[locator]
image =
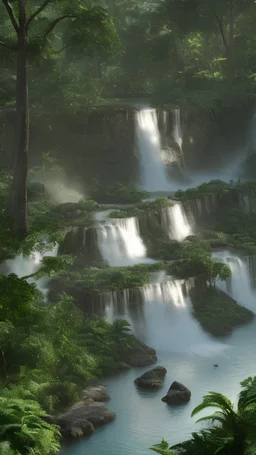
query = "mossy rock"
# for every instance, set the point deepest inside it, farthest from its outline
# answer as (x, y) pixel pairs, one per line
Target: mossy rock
(218, 313)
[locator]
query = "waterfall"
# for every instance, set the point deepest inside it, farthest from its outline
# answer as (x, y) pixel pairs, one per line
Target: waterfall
(120, 243)
(153, 171)
(162, 317)
(23, 266)
(177, 127)
(239, 286)
(175, 222)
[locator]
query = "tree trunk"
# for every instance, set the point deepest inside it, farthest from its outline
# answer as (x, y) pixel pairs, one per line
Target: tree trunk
(17, 207)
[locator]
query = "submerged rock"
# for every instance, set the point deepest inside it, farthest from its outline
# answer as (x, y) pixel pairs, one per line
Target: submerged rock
(152, 378)
(96, 393)
(83, 418)
(177, 394)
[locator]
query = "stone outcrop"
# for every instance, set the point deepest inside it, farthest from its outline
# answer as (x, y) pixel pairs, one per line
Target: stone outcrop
(152, 379)
(83, 418)
(96, 393)
(177, 394)
(140, 355)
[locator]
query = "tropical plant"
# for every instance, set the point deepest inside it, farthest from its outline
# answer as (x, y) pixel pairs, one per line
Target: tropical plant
(24, 428)
(232, 430)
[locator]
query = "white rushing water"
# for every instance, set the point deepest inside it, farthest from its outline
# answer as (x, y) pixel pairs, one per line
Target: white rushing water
(167, 320)
(239, 286)
(120, 243)
(175, 222)
(177, 134)
(23, 266)
(153, 171)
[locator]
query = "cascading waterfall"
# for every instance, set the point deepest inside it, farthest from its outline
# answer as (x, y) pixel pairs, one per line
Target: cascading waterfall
(120, 243)
(164, 317)
(175, 222)
(239, 286)
(153, 171)
(23, 266)
(177, 127)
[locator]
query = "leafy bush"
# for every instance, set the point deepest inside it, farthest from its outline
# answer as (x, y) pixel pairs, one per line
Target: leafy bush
(117, 193)
(108, 279)
(148, 207)
(213, 187)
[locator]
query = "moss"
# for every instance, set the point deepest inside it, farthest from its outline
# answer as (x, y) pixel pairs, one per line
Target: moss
(218, 313)
(92, 281)
(143, 208)
(117, 193)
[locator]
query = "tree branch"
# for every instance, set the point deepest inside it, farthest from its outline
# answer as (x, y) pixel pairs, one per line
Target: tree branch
(58, 52)
(10, 48)
(54, 23)
(222, 32)
(8, 7)
(38, 11)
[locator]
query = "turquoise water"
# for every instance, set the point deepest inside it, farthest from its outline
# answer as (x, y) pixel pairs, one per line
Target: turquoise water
(188, 354)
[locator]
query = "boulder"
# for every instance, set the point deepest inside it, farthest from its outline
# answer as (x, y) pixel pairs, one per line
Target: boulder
(140, 355)
(83, 418)
(96, 393)
(177, 394)
(152, 378)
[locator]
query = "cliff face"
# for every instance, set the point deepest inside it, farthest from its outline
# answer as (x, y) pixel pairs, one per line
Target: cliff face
(102, 144)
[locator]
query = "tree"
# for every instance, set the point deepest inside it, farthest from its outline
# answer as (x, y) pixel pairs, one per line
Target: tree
(32, 27)
(232, 430)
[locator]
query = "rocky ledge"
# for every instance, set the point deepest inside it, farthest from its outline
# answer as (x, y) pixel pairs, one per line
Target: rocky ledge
(85, 416)
(152, 379)
(139, 354)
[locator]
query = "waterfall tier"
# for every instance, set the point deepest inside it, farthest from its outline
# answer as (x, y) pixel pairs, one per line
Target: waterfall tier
(153, 171)
(175, 223)
(120, 243)
(240, 284)
(167, 306)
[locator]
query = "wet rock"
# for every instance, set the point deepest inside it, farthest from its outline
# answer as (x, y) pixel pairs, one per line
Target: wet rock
(140, 355)
(96, 393)
(152, 379)
(177, 394)
(83, 418)
(123, 366)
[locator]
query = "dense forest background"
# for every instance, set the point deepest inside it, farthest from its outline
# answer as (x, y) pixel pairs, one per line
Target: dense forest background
(173, 51)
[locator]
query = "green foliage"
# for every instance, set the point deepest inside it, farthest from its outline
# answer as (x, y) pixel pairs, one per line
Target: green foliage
(143, 208)
(24, 429)
(195, 259)
(231, 429)
(116, 193)
(109, 279)
(218, 313)
(213, 187)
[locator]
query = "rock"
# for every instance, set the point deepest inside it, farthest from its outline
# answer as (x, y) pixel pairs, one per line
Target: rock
(123, 366)
(83, 418)
(96, 393)
(152, 378)
(140, 355)
(177, 394)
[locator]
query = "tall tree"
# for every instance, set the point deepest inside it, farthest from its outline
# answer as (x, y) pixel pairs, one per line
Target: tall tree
(88, 28)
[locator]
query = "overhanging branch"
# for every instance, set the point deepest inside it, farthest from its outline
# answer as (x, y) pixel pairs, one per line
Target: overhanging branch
(56, 22)
(35, 14)
(9, 10)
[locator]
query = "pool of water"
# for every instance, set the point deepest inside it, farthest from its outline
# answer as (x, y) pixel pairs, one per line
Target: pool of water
(188, 354)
